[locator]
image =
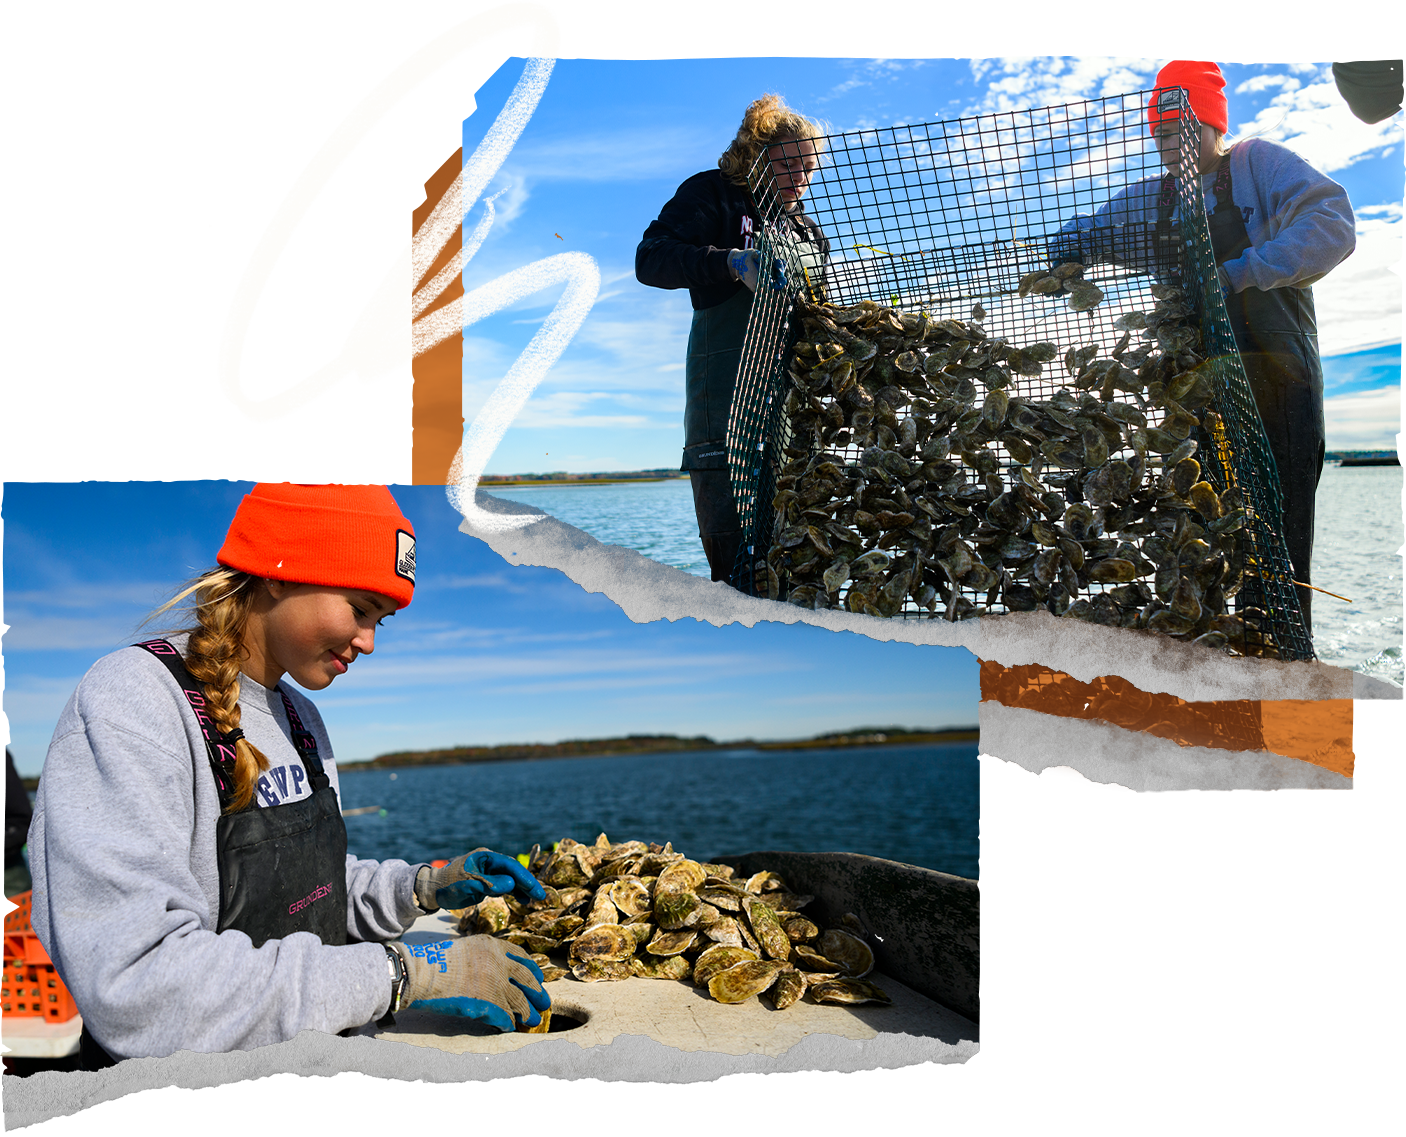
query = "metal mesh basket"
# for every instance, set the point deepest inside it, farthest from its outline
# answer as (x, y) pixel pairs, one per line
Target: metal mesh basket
(939, 218)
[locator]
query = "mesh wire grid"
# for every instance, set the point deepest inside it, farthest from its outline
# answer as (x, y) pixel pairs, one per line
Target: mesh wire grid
(939, 217)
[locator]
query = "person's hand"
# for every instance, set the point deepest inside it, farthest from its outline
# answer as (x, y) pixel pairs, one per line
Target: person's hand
(478, 977)
(743, 264)
(468, 879)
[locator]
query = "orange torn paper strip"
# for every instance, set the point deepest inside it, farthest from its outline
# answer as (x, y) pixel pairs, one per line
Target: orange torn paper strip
(437, 412)
(1042, 731)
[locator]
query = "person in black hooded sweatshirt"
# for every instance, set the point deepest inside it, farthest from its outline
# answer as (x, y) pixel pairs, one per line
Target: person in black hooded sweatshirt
(704, 240)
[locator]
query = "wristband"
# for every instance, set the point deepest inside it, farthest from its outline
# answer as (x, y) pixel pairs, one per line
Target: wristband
(400, 978)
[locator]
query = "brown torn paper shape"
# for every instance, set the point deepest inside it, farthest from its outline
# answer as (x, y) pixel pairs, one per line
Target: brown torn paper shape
(1110, 730)
(1102, 752)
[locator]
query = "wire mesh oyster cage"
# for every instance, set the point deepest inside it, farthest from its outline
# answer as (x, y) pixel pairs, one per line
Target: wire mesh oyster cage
(1009, 384)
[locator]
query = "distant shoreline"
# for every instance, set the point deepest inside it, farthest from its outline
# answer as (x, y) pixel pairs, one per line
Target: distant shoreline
(636, 744)
(563, 478)
(531, 483)
(661, 744)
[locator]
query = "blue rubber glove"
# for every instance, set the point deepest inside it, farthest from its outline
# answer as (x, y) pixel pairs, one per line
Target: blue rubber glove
(478, 977)
(468, 879)
(778, 274)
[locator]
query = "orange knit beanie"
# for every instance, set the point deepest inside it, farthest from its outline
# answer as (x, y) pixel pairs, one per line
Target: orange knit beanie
(338, 536)
(1205, 86)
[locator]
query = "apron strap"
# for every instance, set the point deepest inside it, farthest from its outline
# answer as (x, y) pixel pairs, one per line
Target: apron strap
(218, 746)
(306, 744)
(220, 750)
(1221, 188)
(1166, 202)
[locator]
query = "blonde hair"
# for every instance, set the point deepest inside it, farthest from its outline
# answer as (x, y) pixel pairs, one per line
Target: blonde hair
(768, 120)
(220, 602)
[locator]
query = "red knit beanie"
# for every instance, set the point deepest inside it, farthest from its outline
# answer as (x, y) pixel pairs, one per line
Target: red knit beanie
(1204, 84)
(338, 536)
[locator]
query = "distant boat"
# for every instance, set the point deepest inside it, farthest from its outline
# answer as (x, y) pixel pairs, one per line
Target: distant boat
(1393, 460)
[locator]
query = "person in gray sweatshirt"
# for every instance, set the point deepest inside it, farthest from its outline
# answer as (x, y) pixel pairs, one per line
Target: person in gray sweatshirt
(191, 877)
(1277, 227)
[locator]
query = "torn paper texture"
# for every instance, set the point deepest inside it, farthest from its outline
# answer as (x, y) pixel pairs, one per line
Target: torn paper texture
(1102, 752)
(647, 590)
(630, 1058)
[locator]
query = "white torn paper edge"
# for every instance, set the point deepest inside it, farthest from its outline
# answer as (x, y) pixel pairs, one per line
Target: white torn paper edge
(629, 1058)
(647, 590)
(1103, 752)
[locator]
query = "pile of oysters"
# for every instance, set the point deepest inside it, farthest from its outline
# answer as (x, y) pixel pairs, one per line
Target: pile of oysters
(617, 910)
(931, 474)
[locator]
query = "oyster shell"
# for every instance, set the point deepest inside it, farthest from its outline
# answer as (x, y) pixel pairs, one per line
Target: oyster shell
(740, 982)
(848, 991)
(854, 957)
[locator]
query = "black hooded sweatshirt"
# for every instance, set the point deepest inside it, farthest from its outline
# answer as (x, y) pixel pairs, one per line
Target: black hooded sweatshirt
(687, 246)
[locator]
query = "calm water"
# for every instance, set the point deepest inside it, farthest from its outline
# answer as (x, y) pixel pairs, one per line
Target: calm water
(1355, 548)
(653, 518)
(916, 804)
(1355, 551)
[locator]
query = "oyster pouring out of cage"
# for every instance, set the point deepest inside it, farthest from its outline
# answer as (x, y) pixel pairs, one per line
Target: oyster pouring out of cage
(967, 490)
(1006, 391)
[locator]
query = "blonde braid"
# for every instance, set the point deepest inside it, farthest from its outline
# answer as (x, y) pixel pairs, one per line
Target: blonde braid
(222, 599)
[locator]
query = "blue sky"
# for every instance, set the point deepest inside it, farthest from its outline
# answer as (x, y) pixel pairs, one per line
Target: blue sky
(487, 652)
(611, 140)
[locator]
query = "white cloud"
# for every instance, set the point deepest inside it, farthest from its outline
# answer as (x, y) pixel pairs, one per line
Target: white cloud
(569, 408)
(1266, 82)
(543, 668)
(102, 631)
(1368, 420)
(1021, 83)
(39, 702)
(1359, 302)
(618, 156)
(868, 72)
(94, 596)
(1314, 121)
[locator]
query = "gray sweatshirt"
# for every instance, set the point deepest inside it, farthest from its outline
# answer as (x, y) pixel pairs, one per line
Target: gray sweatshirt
(126, 887)
(1299, 222)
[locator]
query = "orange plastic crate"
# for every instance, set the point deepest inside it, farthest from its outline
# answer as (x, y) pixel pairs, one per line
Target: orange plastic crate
(31, 988)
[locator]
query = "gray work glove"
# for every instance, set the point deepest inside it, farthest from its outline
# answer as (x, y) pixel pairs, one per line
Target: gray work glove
(743, 264)
(466, 880)
(478, 977)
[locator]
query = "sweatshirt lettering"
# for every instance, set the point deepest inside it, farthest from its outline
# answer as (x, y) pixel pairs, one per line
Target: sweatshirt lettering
(266, 791)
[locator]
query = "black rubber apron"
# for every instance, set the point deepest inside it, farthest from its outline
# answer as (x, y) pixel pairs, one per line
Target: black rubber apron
(1277, 335)
(282, 868)
(710, 376)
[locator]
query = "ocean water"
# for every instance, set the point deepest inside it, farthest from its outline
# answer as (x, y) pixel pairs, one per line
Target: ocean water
(918, 804)
(1356, 543)
(653, 518)
(1359, 533)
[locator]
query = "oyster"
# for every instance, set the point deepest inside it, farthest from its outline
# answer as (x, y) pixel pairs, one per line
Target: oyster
(789, 986)
(717, 959)
(854, 956)
(847, 991)
(740, 982)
